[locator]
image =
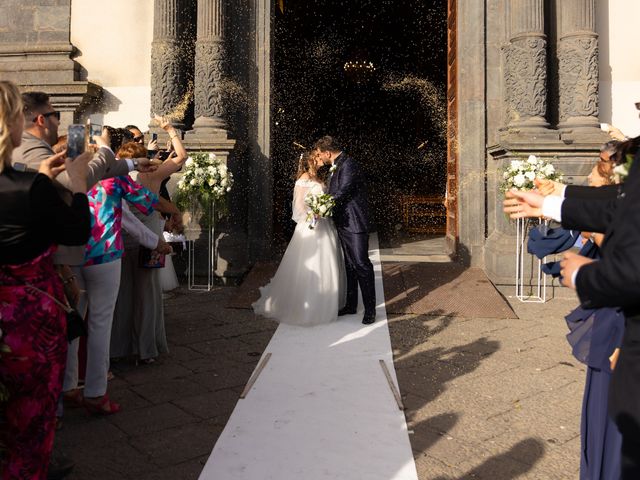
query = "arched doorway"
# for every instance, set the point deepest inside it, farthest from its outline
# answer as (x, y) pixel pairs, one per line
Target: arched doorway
(374, 74)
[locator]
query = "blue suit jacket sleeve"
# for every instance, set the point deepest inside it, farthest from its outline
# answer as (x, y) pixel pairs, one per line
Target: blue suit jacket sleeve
(347, 180)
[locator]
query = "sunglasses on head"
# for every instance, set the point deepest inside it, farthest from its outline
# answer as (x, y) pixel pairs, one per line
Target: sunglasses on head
(55, 113)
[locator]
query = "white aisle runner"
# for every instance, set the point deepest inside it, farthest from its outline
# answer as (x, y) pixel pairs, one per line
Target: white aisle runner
(322, 407)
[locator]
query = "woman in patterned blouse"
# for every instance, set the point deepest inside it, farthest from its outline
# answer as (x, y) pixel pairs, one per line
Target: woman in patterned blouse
(100, 277)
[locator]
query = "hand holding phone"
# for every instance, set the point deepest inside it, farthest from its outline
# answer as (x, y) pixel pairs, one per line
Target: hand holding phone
(75, 140)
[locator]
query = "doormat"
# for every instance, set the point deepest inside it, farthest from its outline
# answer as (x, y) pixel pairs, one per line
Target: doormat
(442, 289)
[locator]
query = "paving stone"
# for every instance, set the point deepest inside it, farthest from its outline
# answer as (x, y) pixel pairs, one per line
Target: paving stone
(158, 371)
(168, 390)
(179, 444)
(152, 420)
(210, 405)
(117, 461)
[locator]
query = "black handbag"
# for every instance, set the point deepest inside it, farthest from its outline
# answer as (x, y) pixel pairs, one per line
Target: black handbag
(75, 323)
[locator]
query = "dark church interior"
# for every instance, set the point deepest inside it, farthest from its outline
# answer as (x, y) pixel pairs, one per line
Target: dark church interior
(373, 74)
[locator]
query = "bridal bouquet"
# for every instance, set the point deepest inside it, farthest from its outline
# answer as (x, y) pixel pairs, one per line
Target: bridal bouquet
(205, 180)
(521, 173)
(321, 205)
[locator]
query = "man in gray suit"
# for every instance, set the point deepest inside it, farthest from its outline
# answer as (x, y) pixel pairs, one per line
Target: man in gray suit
(41, 132)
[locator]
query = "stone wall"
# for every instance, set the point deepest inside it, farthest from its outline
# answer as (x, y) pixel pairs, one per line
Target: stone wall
(36, 53)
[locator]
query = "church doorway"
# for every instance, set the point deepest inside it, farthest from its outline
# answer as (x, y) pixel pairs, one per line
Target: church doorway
(372, 73)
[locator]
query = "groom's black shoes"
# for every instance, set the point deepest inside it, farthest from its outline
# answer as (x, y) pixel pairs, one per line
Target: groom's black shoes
(346, 311)
(369, 318)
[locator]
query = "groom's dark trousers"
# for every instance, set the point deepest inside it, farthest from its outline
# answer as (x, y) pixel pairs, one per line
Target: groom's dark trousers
(355, 247)
(351, 217)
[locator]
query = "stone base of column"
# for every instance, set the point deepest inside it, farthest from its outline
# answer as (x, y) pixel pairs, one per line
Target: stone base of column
(231, 245)
(525, 137)
(582, 130)
(499, 258)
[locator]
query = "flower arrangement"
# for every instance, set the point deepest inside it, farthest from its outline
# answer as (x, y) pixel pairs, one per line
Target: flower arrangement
(521, 173)
(321, 205)
(206, 180)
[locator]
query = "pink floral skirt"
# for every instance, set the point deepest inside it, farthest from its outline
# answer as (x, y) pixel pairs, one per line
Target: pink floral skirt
(34, 348)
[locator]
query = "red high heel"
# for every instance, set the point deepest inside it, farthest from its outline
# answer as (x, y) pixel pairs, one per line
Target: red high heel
(103, 407)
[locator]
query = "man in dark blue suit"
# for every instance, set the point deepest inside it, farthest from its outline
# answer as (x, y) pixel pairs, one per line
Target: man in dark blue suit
(351, 217)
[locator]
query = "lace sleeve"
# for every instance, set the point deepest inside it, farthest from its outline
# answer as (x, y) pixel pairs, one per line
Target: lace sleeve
(299, 208)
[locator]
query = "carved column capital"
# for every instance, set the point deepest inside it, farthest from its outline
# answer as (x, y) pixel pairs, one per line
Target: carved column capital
(169, 85)
(526, 82)
(210, 68)
(525, 72)
(578, 66)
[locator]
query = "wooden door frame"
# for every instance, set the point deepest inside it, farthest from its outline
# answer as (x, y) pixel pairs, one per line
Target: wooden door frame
(452, 128)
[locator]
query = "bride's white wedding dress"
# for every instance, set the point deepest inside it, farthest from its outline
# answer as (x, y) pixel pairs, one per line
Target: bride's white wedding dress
(309, 286)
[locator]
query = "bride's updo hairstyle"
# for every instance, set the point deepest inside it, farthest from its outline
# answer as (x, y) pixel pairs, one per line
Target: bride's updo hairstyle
(307, 164)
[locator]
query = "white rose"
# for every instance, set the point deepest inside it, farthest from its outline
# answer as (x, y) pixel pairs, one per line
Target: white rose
(212, 156)
(199, 171)
(224, 182)
(530, 175)
(515, 165)
(505, 175)
(189, 162)
(211, 169)
(180, 183)
(211, 182)
(193, 182)
(519, 180)
(532, 160)
(323, 209)
(549, 170)
(214, 180)
(228, 189)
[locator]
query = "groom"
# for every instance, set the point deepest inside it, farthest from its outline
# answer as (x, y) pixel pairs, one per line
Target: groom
(351, 217)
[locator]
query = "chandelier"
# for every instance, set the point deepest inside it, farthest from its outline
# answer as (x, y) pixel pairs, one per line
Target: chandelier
(359, 70)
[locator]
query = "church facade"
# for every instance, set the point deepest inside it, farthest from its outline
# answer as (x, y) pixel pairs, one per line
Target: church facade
(523, 77)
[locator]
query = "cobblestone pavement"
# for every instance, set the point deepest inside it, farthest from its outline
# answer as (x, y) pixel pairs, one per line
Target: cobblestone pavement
(486, 398)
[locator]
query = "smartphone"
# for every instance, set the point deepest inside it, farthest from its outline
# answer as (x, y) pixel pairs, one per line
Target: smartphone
(20, 167)
(154, 137)
(163, 154)
(75, 140)
(95, 130)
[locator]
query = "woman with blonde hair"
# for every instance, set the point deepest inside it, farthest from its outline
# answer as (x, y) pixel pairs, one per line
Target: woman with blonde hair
(309, 286)
(33, 220)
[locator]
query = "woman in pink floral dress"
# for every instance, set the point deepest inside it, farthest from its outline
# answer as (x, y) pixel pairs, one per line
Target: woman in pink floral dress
(33, 219)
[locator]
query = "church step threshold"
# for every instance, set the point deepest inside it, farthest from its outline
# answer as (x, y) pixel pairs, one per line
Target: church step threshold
(390, 255)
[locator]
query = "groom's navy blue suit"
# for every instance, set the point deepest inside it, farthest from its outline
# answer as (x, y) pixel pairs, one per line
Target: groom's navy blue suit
(351, 217)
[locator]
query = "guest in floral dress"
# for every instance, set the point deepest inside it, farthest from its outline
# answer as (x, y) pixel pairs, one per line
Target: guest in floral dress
(100, 277)
(33, 219)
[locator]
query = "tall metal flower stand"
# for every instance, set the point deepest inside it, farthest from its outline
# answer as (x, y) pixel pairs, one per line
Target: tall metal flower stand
(534, 290)
(201, 222)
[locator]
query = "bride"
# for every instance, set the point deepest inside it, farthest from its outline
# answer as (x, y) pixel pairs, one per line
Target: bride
(309, 286)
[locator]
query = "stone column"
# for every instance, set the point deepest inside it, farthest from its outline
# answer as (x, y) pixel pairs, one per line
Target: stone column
(168, 79)
(526, 66)
(210, 69)
(578, 66)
